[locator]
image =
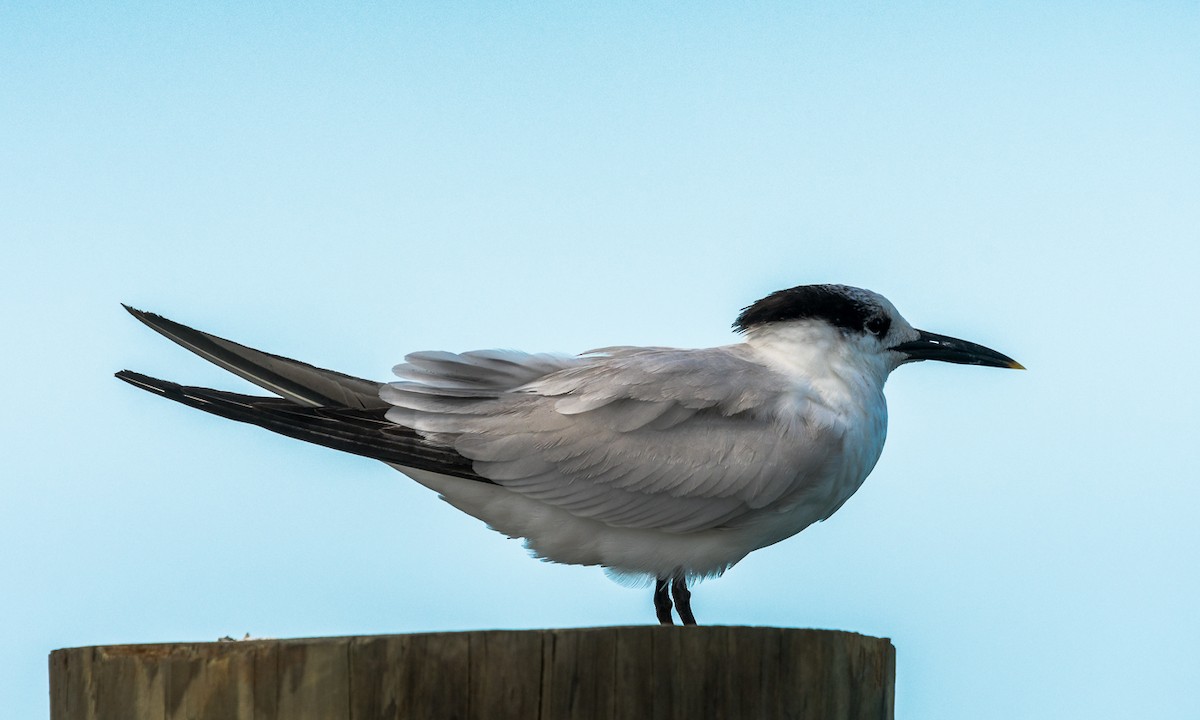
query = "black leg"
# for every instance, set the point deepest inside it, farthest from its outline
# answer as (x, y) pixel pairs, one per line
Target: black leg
(662, 601)
(683, 600)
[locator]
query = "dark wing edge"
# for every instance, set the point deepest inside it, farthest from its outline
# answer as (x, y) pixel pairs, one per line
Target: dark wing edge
(359, 431)
(292, 379)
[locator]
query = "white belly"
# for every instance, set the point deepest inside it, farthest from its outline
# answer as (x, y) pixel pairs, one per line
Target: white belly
(559, 536)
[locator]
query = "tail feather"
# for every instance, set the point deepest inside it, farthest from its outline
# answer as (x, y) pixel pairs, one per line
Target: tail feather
(297, 381)
(361, 431)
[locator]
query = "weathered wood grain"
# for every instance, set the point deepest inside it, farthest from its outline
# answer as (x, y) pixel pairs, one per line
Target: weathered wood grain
(663, 673)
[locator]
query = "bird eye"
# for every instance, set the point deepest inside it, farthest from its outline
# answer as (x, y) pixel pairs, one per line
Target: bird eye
(877, 326)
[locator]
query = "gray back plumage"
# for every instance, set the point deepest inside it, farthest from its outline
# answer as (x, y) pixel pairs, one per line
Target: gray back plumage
(675, 440)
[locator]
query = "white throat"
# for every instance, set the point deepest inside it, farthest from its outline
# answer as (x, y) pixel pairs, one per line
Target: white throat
(816, 354)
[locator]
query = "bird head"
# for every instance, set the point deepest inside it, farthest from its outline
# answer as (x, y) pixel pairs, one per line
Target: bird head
(858, 324)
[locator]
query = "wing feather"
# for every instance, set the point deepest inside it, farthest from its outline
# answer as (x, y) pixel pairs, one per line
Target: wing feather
(676, 440)
(297, 381)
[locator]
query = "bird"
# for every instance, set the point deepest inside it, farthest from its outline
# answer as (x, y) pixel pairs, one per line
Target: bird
(659, 464)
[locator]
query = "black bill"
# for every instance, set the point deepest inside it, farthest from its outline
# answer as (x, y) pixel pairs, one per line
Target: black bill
(931, 346)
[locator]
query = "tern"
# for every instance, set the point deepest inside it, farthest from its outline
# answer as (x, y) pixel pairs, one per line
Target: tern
(656, 463)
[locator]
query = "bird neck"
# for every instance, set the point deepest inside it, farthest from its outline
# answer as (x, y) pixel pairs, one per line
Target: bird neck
(822, 357)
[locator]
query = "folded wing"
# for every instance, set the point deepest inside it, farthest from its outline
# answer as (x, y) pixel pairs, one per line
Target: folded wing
(674, 440)
(653, 438)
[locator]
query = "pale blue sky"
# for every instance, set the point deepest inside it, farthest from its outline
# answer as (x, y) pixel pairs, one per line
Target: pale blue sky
(345, 185)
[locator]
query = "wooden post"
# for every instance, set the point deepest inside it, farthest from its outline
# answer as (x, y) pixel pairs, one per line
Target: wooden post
(652, 673)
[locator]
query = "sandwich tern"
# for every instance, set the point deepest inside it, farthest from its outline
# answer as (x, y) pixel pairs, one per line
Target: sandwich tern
(653, 462)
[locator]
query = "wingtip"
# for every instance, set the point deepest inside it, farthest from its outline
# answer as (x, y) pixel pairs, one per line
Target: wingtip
(142, 315)
(158, 323)
(146, 318)
(131, 377)
(145, 382)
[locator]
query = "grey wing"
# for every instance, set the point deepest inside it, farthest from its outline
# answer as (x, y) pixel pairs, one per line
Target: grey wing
(480, 373)
(297, 381)
(675, 440)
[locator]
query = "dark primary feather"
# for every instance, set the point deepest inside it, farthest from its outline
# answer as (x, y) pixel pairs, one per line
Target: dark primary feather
(292, 379)
(361, 431)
